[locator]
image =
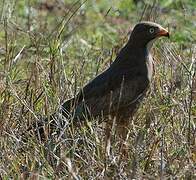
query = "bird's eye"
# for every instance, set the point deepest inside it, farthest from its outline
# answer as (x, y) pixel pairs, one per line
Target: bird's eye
(151, 30)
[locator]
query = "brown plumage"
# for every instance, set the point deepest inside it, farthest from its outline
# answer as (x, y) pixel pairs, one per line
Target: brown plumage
(117, 92)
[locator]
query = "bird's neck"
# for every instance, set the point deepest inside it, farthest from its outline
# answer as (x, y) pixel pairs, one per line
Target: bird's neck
(140, 46)
(131, 57)
(140, 50)
(133, 54)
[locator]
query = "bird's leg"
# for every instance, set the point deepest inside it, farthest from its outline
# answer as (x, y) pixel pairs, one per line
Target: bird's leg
(108, 134)
(108, 131)
(122, 132)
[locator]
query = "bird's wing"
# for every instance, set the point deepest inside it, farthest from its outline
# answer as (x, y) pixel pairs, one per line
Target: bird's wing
(121, 97)
(94, 89)
(113, 88)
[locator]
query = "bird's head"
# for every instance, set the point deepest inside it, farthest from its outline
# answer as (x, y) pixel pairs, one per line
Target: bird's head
(145, 33)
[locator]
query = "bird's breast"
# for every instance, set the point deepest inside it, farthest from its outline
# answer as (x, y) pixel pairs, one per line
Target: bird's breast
(149, 64)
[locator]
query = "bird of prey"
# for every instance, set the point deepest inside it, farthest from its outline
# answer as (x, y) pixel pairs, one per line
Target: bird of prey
(117, 92)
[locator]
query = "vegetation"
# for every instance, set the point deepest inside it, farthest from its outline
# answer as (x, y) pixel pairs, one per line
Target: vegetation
(50, 49)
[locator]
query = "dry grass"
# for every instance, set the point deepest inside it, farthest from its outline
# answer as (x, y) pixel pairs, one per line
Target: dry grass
(47, 52)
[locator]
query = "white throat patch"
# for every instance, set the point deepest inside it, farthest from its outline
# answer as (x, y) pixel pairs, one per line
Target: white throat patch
(150, 43)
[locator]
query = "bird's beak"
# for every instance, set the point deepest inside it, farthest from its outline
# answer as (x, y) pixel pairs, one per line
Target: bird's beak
(163, 32)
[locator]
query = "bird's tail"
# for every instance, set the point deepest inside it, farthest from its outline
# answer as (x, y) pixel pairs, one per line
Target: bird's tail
(51, 125)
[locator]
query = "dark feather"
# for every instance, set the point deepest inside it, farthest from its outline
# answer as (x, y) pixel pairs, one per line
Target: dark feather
(117, 91)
